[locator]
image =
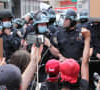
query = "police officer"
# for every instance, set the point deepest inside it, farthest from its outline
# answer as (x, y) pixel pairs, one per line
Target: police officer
(28, 25)
(84, 20)
(17, 23)
(17, 28)
(28, 18)
(10, 42)
(72, 43)
(84, 16)
(40, 18)
(96, 38)
(52, 20)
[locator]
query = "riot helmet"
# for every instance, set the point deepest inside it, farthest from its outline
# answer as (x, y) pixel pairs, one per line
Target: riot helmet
(52, 16)
(18, 22)
(71, 15)
(41, 22)
(83, 16)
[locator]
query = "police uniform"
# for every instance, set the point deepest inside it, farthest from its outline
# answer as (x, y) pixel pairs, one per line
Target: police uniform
(52, 29)
(10, 45)
(85, 25)
(29, 29)
(95, 33)
(70, 43)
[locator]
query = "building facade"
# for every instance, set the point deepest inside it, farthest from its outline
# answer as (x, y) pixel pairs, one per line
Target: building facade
(5, 4)
(25, 6)
(21, 7)
(83, 5)
(29, 5)
(63, 3)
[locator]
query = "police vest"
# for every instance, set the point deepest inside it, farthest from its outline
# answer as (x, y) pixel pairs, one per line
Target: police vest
(70, 43)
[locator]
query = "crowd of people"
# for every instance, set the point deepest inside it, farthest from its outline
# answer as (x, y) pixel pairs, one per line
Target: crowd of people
(41, 54)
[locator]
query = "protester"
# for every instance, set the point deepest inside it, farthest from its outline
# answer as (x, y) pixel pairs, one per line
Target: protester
(52, 70)
(69, 45)
(28, 74)
(69, 70)
(10, 77)
(21, 59)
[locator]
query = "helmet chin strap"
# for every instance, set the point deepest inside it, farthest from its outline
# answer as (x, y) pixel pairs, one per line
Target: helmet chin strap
(69, 28)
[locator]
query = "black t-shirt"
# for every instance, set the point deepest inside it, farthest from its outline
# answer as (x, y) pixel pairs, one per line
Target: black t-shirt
(80, 85)
(49, 86)
(83, 85)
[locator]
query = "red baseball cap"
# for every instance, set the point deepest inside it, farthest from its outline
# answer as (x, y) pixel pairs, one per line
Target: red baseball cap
(52, 67)
(69, 71)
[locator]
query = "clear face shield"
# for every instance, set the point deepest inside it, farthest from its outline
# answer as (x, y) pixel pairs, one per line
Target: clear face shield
(61, 20)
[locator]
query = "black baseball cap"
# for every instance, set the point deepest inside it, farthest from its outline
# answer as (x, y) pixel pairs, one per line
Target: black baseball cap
(10, 76)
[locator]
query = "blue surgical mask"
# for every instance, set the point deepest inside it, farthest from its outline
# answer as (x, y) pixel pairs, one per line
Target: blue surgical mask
(1, 27)
(42, 29)
(7, 24)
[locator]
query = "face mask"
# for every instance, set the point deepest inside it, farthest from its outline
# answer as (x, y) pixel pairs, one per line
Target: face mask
(42, 29)
(1, 28)
(83, 20)
(7, 24)
(52, 20)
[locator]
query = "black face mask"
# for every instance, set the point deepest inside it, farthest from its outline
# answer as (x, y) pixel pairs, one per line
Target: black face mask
(67, 29)
(83, 20)
(52, 20)
(73, 23)
(19, 26)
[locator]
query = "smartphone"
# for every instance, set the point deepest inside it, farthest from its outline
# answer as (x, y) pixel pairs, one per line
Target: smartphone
(32, 39)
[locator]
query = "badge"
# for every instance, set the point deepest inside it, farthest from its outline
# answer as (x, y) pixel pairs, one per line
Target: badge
(79, 37)
(55, 40)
